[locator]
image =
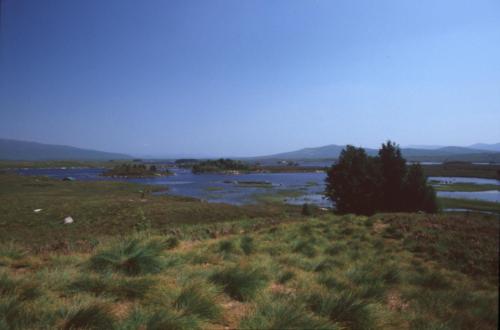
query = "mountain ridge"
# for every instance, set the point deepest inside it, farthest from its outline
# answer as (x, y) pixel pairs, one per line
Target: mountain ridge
(448, 153)
(20, 150)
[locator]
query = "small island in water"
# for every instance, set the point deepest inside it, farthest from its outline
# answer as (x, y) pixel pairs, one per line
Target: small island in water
(226, 166)
(136, 171)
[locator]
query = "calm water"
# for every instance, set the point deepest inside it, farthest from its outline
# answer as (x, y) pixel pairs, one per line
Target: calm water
(224, 189)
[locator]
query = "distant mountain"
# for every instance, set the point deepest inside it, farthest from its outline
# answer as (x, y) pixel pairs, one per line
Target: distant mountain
(32, 151)
(438, 155)
(329, 151)
(423, 146)
(487, 147)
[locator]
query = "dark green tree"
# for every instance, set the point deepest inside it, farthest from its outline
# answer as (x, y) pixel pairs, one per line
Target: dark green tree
(393, 170)
(365, 185)
(417, 195)
(352, 182)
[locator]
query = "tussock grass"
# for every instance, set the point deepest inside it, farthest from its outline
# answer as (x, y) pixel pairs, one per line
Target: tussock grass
(240, 282)
(285, 276)
(247, 245)
(197, 299)
(304, 247)
(291, 272)
(95, 316)
(170, 319)
(345, 308)
(226, 246)
(283, 313)
(131, 257)
(432, 280)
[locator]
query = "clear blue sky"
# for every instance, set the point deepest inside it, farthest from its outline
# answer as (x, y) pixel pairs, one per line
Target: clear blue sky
(242, 78)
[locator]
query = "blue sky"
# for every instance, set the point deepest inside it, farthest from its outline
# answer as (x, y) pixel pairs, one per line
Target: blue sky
(242, 78)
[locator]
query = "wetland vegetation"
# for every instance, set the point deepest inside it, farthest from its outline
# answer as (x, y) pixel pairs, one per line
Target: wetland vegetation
(130, 261)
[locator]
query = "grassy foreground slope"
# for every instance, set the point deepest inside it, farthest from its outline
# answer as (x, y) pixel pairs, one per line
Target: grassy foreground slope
(272, 269)
(384, 272)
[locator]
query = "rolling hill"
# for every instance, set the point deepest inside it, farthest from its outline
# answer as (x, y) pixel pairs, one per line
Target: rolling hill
(32, 151)
(450, 153)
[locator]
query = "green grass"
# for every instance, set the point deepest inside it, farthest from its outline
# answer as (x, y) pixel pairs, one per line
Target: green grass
(103, 209)
(277, 196)
(463, 170)
(131, 257)
(94, 316)
(470, 204)
(470, 187)
(240, 282)
(279, 271)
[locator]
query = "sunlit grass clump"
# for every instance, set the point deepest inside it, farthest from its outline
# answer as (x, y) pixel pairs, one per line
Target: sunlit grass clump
(283, 313)
(240, 282)
(132, 257)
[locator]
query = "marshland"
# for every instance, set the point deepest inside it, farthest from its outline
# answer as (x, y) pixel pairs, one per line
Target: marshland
(265, 165)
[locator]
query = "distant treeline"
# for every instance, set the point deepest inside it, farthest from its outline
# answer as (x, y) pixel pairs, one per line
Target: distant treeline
(364, 184)
(220, 165)
(135, 170)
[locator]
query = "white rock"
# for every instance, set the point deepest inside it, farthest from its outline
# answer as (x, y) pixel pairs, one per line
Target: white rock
(37, 210)
(68, 220)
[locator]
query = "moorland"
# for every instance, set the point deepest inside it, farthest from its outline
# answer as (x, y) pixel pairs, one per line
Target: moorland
(135, 260)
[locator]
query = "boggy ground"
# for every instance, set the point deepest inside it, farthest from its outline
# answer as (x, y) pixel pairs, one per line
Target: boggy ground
(397, 271)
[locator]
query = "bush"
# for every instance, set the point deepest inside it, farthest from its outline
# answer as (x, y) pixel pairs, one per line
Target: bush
(241, 283)
(361, 184)
(131, 258)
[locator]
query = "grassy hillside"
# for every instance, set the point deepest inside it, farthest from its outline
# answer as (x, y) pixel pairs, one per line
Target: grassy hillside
(384, 272)
(160, 262)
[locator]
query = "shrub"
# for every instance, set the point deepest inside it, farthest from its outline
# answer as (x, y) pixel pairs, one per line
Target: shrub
(91, 317)
(362, 184)
(241, 283)
(131, 258)
(196, 300)
(247, 245)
